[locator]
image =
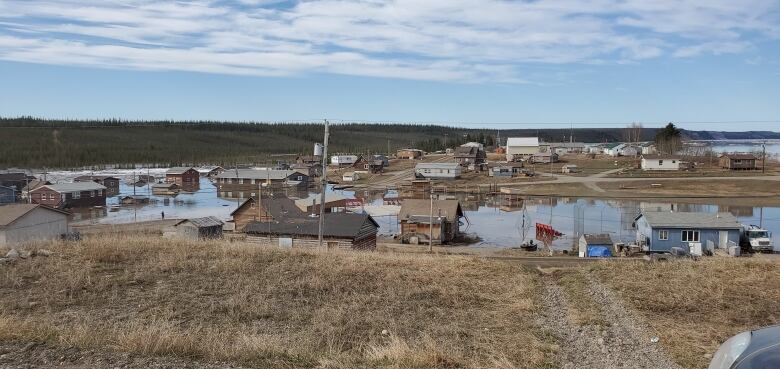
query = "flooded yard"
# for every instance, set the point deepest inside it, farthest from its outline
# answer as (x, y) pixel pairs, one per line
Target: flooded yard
(494, 220)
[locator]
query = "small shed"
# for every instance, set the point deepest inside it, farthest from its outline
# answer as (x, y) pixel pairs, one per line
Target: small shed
(595, 245)
(544, 157)
(199, 228)
(350, 176)
(738, 161)
(570, 168)
(20, 223)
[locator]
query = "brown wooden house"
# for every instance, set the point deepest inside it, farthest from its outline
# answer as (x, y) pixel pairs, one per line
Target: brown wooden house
(70, 195)
(183, 176)
(468, 155)
(111, 183)
(738, 161)
(342, 231)
(265, 209)
(416, 220)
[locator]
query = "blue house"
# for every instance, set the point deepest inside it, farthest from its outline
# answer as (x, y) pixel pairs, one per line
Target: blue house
(7, 195)
(659, 231)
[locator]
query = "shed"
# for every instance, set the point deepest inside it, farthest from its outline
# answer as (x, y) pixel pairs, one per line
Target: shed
(343, 160)
(7, 195)
(660, 231)
(660, 162)
(199, 228)
(570, 168)
(264, 209)
(20, 223)
(595, 245)
(738, 161)
(182, 176)
(350, 176)
(470, 155)
(544, 157)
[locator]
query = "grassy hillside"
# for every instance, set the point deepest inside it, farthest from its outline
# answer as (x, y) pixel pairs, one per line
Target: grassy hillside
(271, 308)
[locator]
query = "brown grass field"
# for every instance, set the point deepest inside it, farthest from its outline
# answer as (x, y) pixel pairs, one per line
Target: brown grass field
(269, 308)
(695, 306)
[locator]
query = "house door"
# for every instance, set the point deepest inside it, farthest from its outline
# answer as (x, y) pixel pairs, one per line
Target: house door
(723, 236)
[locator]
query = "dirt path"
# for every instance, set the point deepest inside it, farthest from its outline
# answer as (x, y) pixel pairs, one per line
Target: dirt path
(622, 343)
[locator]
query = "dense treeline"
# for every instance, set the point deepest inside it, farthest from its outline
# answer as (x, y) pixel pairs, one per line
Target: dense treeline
(35, 143)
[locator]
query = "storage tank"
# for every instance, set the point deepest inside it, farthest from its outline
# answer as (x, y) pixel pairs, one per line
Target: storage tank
(318, 149)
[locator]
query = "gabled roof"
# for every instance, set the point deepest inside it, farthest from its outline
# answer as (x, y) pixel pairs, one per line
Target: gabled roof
(178, 170)
(94, 178)
(417, 207)
(740, 156)
(165, 185)
(278, 206)
(15, 176)
(437, 166)
(522, 141)
(330, 197)
(345, 225)
(598, 239)
(11, 213)
(663, 219)
(34, 184)
(466, 151)
(75, 186)
(258, 174)
(660, 156)
(202, 222)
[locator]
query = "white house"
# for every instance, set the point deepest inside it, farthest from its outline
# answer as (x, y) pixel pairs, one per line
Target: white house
(350, 176)
(20, 223)
(437, 170)
(521, 147)
(660, 162)
(630, 150)
(648, 148)
(343, 160)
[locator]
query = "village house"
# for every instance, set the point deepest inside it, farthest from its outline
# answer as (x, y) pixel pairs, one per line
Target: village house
(311, 170)
(383, 158)
(265, 209)
(570, 168)
(543, 158)
(17, 180)
(520, 148)
(507, 170)
(7, 195)
(31, 186)
(343, 160)
(350, 176)
(249, 181)
(182, 176)
(346, 231)
(470, 155)
(70, 195)
(738, 161)
(210, 172)
(197, 228)
(595, 245)
(660, 162)
(111, 183)
(416, 220)
(309, 159)
(134, 200)
(648, 148)
(659, 231)
(567, 147)
(437, 170)
(411, 154)
(370, 164)
(168, 189)
(334, 203)
(21, 223)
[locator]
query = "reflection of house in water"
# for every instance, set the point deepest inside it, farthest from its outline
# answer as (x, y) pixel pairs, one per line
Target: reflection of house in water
(739, 211)
(251, 180)
(655, 206)
(80, 214)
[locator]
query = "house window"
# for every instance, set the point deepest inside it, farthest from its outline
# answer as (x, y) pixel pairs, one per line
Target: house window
(660, 162)
(663, 235)
(77, 195)
(690, 236)
(91, 193)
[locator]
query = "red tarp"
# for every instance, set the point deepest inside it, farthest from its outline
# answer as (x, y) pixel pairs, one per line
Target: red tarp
(545, 232)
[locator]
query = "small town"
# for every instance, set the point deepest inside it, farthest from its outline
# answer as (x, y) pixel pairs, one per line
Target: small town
(388, 184)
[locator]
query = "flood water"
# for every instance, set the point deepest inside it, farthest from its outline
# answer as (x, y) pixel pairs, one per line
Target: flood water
(497, 222)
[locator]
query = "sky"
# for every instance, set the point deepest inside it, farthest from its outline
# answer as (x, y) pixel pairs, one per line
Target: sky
(704, 64)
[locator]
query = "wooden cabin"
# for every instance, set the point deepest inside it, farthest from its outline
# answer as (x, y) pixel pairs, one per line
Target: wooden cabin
(182, 176)
(738, 161)
(346, 231)
(265, 209)
(70, 195)
(111, 182)
(416, 220)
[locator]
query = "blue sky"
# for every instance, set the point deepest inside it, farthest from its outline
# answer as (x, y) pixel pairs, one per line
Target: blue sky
(511, 64)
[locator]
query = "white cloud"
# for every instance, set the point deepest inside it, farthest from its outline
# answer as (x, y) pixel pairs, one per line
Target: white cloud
(442, 40)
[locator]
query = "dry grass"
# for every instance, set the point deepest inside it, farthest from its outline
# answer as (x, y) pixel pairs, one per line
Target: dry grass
(217, 301)
(697, 305)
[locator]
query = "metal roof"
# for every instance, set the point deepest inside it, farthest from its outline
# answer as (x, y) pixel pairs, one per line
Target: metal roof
(346, 225)
(598, 239)
(417, 207)
(257, 174)
(314, 199)
(522, 141)
(76, 186)
(663, 219)
(94, 178)
(178, 170)
(740, 156)
(11, 213)
(203, 222)
(660, 156)
(437, 166)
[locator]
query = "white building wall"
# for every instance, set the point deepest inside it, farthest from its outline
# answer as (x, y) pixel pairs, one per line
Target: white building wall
(39, 224)
(660, 164)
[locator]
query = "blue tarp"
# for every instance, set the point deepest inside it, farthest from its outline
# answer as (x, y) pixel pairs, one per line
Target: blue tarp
(599, 252)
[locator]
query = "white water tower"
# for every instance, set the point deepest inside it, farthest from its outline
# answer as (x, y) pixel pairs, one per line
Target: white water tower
(318, 149)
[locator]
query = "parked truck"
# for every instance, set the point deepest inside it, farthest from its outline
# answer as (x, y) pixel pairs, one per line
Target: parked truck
(755, 239)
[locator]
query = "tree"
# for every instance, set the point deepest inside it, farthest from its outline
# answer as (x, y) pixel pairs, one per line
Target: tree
(632, 133)
(669, 139)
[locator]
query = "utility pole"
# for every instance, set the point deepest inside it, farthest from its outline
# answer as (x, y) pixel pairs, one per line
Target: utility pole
(763, 158)
(445, 141)
(324, 183)
(430, 228)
